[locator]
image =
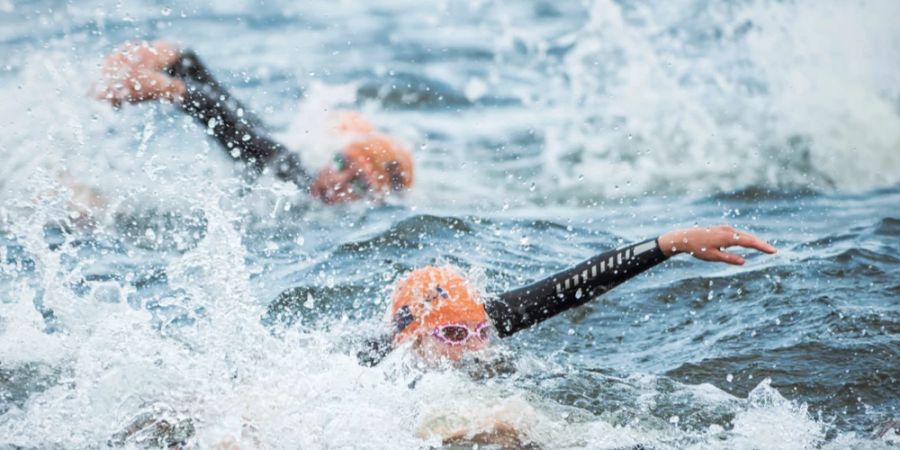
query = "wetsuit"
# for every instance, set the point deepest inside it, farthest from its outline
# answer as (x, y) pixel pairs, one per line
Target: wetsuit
(240, 133)
(521, 308)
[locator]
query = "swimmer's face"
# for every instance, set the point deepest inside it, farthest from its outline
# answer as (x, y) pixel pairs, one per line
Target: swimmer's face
(451, 342)
(350, 178)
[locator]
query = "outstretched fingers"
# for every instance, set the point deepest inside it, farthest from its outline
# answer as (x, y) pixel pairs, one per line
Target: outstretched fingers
(747, 240)
(708, 243)
(725, 257)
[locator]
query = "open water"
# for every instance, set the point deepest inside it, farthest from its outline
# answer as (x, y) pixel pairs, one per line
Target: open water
(543, 132)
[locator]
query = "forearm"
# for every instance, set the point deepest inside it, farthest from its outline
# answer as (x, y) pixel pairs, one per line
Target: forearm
(239, 132)
(521, 308)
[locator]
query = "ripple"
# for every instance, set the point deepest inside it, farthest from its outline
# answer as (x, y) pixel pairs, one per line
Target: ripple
(888, 226)
(411, 233)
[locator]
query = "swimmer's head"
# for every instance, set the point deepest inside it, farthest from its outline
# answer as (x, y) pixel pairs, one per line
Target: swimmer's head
(370, 166)
(440, 313)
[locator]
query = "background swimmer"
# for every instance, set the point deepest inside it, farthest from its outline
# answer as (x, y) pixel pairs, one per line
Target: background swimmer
(371, 165)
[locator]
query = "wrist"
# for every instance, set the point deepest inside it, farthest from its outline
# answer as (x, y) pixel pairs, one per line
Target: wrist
(669, 244)
(175, 92)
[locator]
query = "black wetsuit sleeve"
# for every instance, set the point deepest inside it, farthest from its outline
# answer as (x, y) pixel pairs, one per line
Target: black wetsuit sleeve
(521, 308)
(240, 133)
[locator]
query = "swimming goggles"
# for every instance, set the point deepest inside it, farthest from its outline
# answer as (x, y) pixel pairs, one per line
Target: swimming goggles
(460, 333)
(359, 183)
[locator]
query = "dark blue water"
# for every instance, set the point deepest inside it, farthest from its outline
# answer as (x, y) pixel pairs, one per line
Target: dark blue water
(543, 133)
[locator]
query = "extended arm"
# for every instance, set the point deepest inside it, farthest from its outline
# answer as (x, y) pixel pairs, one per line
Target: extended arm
(521, 308)
(148, 71)
(233, 125)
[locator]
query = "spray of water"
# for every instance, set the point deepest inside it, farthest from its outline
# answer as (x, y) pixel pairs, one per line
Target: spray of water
(776, 96)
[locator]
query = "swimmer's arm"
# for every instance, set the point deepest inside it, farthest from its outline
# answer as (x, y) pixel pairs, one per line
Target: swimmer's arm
(503, 435)
(504, 424)
(521, 308)
(223, 116)
(239, 132)
(707, 244)
(145, 71)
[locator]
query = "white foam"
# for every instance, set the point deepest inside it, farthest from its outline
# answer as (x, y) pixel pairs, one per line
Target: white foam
(806, 96)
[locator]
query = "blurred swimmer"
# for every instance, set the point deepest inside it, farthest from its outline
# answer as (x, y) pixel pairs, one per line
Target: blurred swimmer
(370, 166)
(439, 314)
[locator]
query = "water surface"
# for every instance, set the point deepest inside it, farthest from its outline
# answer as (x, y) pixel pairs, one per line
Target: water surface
(543, 132)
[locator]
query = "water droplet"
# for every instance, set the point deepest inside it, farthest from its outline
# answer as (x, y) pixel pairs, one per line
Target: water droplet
(729, 378)
(166, 11)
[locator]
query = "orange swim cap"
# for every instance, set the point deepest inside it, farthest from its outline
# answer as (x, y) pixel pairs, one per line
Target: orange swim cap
(391, 162)
(352, 122)
(430, 297)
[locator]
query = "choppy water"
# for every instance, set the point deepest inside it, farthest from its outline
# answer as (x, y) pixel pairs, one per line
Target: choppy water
(544, 132)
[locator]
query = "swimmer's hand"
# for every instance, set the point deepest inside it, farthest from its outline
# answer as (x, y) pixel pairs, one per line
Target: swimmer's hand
(135, 73)
(503, 435)
(708, 243)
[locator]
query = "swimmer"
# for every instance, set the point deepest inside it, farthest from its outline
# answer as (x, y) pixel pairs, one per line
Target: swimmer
(370, 166)
(439, 316)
